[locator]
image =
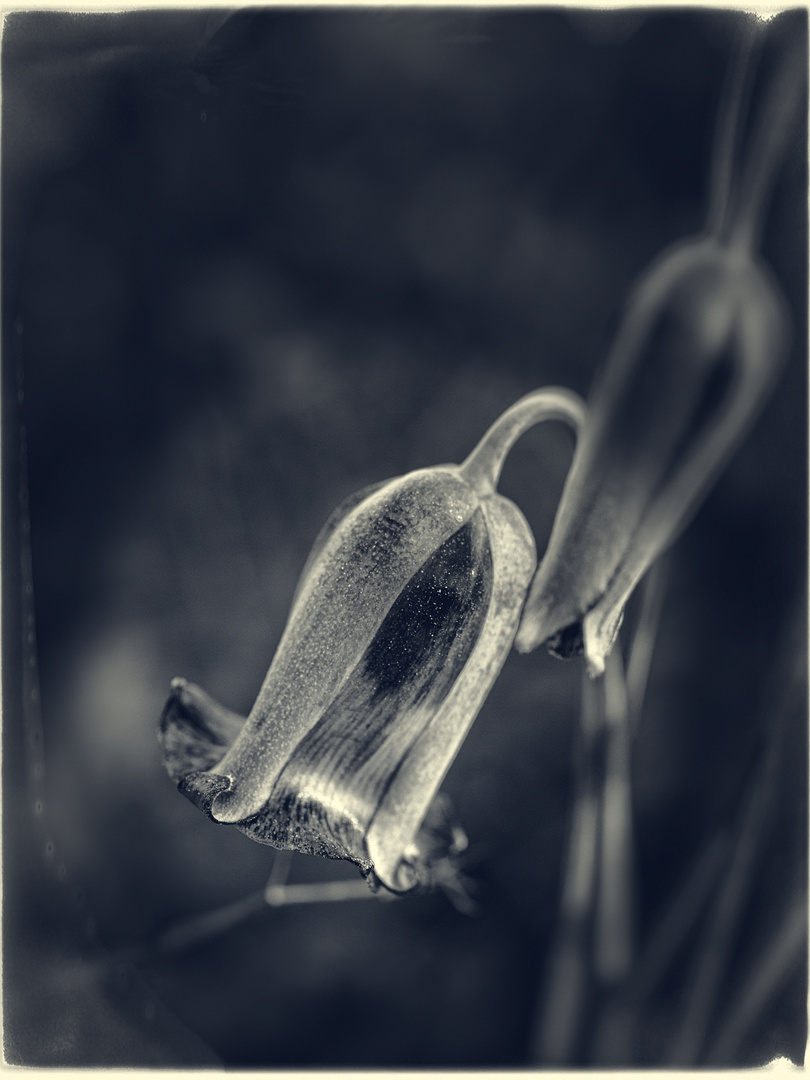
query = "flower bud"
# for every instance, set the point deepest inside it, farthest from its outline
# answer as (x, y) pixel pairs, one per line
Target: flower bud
(405, 612)
(697, 351)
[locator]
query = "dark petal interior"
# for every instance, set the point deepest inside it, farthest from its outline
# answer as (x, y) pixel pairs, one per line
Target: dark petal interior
(567, 643)
(416, 656)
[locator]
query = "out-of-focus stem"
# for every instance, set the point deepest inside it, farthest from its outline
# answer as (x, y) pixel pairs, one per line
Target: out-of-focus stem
(624, 699)
(318, 892)
(766, 149)
(279, 871)
(276, 893)
(620, 1020)
(212, 924)
(564, 997)
(640, 653)
(735, 94)
(782, 955)
(615, 907)
(714, 954)
(594, 944)
(679, 919)
(785, 694)
(614, 919)
(564, 1003)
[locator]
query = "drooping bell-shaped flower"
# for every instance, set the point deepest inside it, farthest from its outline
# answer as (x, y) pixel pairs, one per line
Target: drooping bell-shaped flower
(404, 614)
(699, 346)
(698, 349)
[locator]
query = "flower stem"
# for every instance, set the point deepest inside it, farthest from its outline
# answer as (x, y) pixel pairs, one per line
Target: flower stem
(679, 919)
(564, 998)
(211, 924)
(766, 149)
(735, 93)
(320, 892)
(614, 915)
(641, 650)
(782, 955)
(724, 922)
(482, 468)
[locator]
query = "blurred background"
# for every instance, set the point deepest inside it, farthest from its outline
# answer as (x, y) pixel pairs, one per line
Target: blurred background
(250, 265)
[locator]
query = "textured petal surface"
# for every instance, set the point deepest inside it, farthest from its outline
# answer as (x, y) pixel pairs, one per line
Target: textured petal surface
(336, 777)
(397, 821)
(698, 349)
(363, 567)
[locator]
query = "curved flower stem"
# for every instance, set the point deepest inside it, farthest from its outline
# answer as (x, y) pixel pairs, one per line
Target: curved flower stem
(482, 468)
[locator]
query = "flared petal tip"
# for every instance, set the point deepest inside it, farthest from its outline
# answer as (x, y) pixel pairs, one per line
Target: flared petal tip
(595, 664)
(562, 638)
(194, 732)
(533, 631)
(600, 628)
(202, 788)
(592, 636)
(432, 860)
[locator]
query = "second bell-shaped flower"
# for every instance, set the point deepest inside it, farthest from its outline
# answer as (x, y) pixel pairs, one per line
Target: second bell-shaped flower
(697, 351)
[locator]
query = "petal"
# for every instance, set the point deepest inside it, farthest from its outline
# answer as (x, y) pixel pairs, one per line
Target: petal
(364, 565)
(195, 731)
(396, 823)
(335, 779)
(332, 522)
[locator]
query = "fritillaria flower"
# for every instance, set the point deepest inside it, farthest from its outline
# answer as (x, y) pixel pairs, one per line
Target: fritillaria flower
(699, 347)
(403, 617)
